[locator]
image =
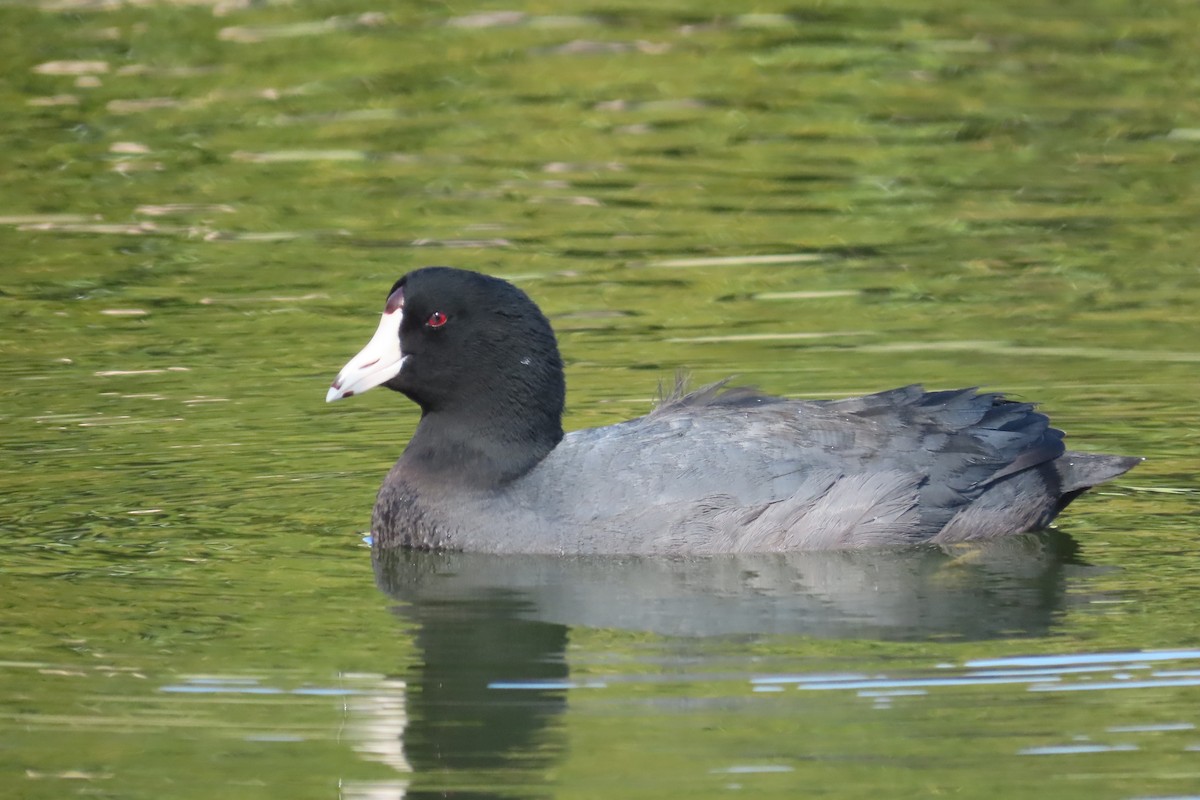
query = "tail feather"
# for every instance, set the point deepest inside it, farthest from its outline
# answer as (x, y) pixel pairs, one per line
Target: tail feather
(1028, 500)
(1080, 471)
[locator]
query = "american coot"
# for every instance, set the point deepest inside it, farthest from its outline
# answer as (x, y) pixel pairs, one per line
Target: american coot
(715, 471)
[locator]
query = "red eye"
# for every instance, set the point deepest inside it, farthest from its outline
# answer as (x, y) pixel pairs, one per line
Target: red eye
(436, 320)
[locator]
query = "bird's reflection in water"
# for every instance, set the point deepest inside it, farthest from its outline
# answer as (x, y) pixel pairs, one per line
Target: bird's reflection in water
(483, 622)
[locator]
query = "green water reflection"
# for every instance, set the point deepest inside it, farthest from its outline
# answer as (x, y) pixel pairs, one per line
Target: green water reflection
(201, 205)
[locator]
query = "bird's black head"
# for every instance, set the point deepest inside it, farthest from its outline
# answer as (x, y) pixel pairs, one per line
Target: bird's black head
(473, 351)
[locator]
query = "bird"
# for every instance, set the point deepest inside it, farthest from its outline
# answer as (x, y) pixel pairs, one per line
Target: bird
(716, 470)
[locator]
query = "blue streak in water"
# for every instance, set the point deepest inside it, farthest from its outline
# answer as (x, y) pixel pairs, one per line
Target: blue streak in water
(1089, 687)
(886, 683)
(1084, 658)
(1073, 749)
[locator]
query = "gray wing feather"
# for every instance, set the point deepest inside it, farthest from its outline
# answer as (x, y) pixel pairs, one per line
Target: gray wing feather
(733, 470)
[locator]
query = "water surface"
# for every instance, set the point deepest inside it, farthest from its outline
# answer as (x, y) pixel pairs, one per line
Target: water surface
(202, 206)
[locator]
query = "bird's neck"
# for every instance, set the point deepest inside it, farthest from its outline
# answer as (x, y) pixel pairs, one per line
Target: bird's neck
(479, 451)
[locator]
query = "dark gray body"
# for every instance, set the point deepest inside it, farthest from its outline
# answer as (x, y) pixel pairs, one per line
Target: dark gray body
(737, 471)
